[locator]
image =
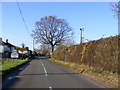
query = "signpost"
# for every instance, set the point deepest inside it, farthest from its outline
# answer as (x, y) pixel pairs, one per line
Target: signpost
(66, 52)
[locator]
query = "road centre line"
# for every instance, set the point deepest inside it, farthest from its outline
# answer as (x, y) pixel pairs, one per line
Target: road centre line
(42, 64)
(50, 88)
(45, 71)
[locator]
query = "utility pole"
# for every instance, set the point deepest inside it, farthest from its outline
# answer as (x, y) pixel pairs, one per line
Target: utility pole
(81, 29)
(33, 44)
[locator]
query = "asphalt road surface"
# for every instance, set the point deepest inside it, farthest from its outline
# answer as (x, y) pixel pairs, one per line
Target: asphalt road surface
(41, 73)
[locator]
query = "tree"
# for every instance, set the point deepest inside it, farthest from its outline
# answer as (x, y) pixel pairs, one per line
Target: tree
(52, 31)
(116, 8)
(45, 49)
(69, 42)
(116, 11)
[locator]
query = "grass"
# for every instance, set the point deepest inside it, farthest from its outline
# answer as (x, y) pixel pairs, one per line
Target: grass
(11, 63)
(106, 78)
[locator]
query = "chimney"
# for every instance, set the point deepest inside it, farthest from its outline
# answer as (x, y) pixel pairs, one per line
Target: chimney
(6, 40)
(0, 40)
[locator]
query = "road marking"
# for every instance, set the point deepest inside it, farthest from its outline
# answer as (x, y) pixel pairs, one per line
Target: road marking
(45, 71)
(44, 68)
(42, 64)
(50, 88)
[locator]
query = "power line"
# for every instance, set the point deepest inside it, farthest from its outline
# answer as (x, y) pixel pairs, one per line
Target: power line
(23, 18)
(24, 22)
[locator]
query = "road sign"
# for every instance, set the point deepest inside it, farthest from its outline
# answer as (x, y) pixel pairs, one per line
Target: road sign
(65, 52)
(14, 54)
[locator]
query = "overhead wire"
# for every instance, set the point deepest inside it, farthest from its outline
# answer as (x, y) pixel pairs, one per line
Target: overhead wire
(24, 22)
(23, 18)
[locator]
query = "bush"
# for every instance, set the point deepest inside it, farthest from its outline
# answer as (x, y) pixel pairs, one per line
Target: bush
(101, 54)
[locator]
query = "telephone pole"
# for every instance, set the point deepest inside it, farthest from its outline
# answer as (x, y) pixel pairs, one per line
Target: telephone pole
(33, 45)
(81, 29)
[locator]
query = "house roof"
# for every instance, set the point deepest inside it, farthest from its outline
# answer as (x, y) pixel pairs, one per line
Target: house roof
(8, 44)
(11, 45)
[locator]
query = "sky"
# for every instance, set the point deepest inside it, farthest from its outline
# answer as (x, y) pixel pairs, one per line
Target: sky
(96, 18)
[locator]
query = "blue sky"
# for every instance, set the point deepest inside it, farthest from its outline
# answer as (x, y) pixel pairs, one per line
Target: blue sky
(95, 17)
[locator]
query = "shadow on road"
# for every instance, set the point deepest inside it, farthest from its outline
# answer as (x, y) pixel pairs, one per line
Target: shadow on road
(40, 58)
(49, 74)
(11, 77)
(13, 82)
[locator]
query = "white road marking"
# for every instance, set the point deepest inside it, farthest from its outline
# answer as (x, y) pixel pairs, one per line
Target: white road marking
(44, 68)
(45, 71)
(42, 64)
(50, 88)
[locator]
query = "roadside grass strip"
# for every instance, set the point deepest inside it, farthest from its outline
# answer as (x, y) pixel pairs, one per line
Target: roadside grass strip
(11, 63)
(108, 79)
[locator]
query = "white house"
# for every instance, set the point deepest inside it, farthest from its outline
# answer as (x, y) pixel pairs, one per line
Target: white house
(6, 48)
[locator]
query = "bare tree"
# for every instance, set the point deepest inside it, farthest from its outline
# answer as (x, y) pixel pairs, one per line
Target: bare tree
(116, 8)
(69, 42)
(43, 49)
(51, 30)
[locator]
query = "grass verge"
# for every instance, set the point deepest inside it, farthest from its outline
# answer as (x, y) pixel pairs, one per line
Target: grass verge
(108, 79)
(9, 64)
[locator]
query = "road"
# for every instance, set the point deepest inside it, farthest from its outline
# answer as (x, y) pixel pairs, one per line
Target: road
(41, 73)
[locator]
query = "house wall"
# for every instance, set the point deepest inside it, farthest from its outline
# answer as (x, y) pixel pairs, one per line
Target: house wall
(6, 51)
(6, 48)
(1, 48)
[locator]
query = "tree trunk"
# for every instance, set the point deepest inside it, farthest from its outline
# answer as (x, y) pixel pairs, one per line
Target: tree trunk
(52, 49)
